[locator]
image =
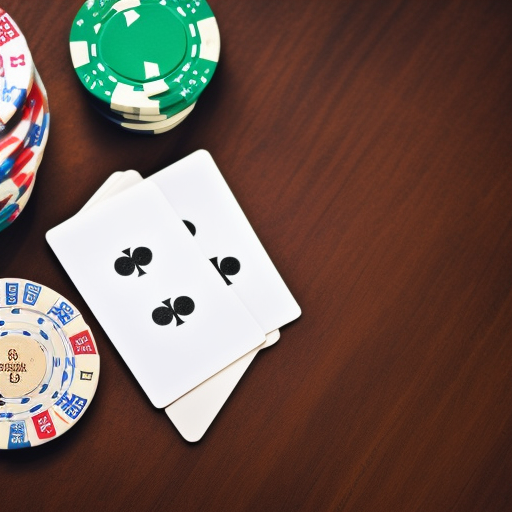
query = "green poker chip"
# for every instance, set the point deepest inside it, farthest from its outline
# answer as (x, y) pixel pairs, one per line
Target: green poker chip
(145, 57)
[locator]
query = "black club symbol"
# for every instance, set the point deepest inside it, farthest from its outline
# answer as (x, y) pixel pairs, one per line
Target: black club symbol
(126, 265)
(228, 267)
(182, 306)
(190, 227)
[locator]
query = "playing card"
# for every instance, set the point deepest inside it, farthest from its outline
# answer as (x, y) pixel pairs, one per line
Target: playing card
(98, 195)
(115, 183)
(171, 318)
(200, 196)
(194, 412)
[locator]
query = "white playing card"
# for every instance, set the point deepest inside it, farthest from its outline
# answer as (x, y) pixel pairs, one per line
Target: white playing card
(115, 183)
(167, 360)
(98, 195)
(194, 412)
(199, 194)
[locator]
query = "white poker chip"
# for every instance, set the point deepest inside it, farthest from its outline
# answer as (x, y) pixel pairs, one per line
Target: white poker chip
(139, 124)
(16, 69)
(18, 172)
(49, 364)
(12, 141)
(160, 126)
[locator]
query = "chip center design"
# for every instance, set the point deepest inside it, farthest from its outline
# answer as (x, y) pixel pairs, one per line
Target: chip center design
(22, 365)
(143, 43)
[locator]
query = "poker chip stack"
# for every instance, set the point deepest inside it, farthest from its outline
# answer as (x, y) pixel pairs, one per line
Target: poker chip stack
(145, 63)
(24, 121)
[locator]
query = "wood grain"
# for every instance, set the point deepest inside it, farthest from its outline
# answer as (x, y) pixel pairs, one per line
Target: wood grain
(369, 142)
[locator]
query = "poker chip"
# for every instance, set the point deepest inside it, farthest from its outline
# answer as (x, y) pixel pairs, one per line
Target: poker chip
(49, 364)
(16, 69)
(21, 152)
(145, 61)
(10, 214)
(13, 140)
(145, 127)
(116, 115)
(24, 121)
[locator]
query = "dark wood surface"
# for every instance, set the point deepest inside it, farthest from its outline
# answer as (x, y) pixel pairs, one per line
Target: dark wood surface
(370, 144)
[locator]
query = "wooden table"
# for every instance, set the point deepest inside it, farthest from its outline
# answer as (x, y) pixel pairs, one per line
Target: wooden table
(369, 142)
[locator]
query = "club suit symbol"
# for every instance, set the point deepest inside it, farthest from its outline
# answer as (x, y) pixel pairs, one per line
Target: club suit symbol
(164, 315)
(140, 257)
(190, 227)
(228, 267)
